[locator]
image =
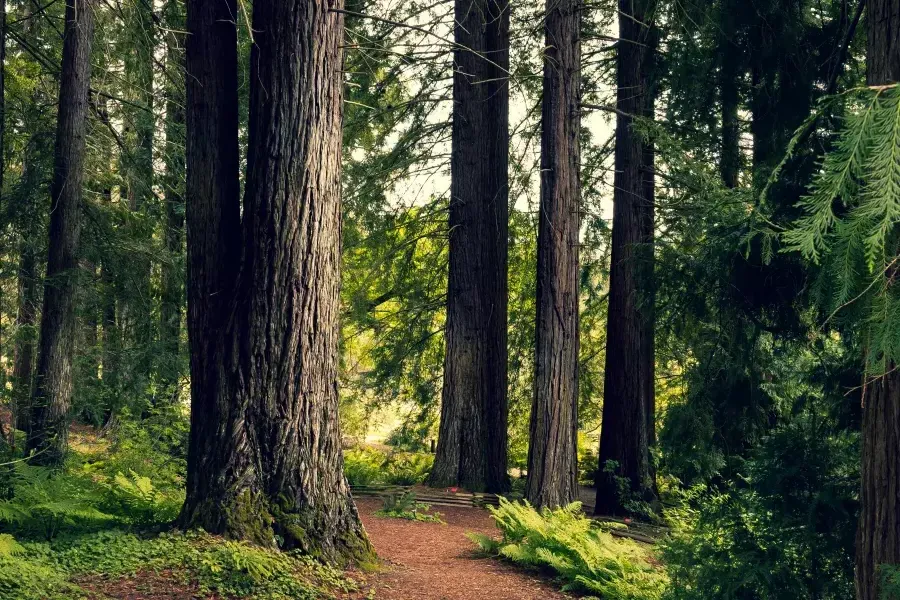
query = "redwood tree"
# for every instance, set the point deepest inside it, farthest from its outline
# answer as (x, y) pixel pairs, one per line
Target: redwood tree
(53, 379)
(628, 396)
(472, 442)
(270, 463)
(552, 453)
(878, 533)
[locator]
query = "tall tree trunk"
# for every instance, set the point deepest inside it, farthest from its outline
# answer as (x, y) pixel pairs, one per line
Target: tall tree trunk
(213, 228)
(172, 274)
(285, 329)
(552, 453)
(138, 306)
(626, 434)
(53, 382)
(878, 532)
(271, 456)
(472, 443)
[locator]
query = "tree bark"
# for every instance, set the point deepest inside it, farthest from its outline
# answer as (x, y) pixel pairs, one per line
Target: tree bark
(878, 532)
(213, 228)
(628, 394)
(172, 274)
(53, 382)
(472, 442)
(552, 453)
(272, 466)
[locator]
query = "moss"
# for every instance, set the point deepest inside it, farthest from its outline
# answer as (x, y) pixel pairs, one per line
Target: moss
(303, 530)
(247, 517)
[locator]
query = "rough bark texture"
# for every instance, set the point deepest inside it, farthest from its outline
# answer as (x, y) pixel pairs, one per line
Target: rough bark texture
(878, 532)
(213, 231)
(285, 330)
(53, 381)
(628, 394)
(552, 454)
(472, 442)
(172, 274)
(266, 463)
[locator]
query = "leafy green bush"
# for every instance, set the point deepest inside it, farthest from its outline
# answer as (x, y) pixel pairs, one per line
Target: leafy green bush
(784, 531)
(565, 542)
(367, 466)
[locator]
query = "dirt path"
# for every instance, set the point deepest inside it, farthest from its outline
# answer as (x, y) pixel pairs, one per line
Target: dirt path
(429, 561)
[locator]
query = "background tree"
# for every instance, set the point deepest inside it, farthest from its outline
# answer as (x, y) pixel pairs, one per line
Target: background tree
(53, 384)
(472, 442)
(552, 453)
(629, 386)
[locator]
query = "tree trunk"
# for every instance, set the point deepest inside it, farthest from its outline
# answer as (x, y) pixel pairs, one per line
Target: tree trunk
(172, 273)
(53, 382)
(472, 443)
(284, 334)
(268, 463)
(138, 324)
(878, 532)
(628, 394)
(552, 453)
(26, 319)
(729, 74)
(213, 229)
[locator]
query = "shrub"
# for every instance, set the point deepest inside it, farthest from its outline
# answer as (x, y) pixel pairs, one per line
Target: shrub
(367, 466)
(584, 557)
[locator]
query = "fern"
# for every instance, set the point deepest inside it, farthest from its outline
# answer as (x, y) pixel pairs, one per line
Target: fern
(565, 541)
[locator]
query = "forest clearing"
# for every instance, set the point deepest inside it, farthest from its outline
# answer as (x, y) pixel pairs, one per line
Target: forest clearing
(450, 299)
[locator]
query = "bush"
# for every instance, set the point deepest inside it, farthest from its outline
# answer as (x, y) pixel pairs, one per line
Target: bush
(786, 530)
(367, 466)
(584, 557)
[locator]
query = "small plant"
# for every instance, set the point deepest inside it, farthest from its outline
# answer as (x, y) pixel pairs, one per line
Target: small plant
(404, 506)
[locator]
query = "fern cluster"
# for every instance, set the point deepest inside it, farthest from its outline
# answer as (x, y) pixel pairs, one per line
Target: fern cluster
(566, 542)
(850, 217)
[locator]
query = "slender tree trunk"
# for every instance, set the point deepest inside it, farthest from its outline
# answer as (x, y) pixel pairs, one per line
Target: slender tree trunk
(552, 454)
(53, 383)
(878, 532)
(729, 74)
(217, 438)
(138, 306)
(26, 319)
(111, 336)
(628, 395)
(472, 443)
(172, 273)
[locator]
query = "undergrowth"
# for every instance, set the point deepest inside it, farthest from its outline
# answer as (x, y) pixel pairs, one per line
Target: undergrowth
(566, 543)
(405, 506)
(99, 518)
(46, 570)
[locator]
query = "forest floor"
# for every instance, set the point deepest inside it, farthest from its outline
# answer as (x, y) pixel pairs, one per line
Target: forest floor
(433, 561)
